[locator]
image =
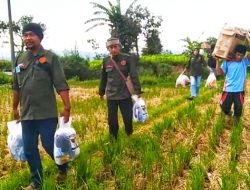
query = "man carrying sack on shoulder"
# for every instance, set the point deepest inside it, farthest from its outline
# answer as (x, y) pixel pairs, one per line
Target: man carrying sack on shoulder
(117, 70)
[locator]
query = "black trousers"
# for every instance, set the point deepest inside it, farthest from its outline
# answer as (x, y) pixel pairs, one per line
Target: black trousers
(229, 98)
(126, 107)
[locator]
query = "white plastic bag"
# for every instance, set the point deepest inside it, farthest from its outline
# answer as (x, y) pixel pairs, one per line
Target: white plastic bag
(140, 113)
(15, 140)
(211, 81)
(182, 80)
(65, 146)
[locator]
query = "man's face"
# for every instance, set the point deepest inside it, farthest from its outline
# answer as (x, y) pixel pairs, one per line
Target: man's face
(114, 49)
(238, 56)
(196, 52)
(31, 40)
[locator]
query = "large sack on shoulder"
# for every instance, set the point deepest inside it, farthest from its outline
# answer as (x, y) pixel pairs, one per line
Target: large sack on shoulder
(65, 146)
(182, 80)
(211, 81)
(15, 140)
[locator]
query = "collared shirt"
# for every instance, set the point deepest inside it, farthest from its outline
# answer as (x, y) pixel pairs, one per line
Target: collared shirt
(112, 83)
(35, 78)
(236, 73)
(195, 64)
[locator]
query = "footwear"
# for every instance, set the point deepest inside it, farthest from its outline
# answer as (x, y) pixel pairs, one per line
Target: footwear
(61, 177)
(31, 186)
(191, 98)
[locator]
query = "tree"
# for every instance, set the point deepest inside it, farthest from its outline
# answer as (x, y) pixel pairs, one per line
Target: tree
(211, 40)
(120, 24)
(17, 29)
(151, 33)
(190, 45)
(128, 26)
(153, 43)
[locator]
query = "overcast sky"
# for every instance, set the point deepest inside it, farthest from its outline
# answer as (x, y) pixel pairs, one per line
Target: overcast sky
(64, 19)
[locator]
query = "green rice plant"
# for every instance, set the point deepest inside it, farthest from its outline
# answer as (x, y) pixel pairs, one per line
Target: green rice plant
(177, 161)
(246, 178)
(216, 131)
(197, 177)
(159, 128)
(192, 113)
(149, 153)
(18, 179)
(111, 150)
(230, 181)
(235, 141)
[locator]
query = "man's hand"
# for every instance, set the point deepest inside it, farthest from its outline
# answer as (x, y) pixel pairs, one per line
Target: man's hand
(16, 114)
(66, 114)
(102, 97)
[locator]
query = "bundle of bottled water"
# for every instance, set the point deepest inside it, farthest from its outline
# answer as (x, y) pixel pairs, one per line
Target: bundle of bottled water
(140, 113)
(15, 140)
(65, 146)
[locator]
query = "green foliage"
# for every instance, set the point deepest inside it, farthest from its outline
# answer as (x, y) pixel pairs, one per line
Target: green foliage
(75, 66)
(129, 25)
(5, 65)
(17, 27)
(164, 58)
(5, 79)
(190, 45)
(95, 64)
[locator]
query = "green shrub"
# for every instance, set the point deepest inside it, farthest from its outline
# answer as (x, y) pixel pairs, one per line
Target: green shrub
(5, 65)
(5, 79)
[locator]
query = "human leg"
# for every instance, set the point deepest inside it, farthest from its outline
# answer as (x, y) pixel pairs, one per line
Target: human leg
(198, 83)
(226, 102)
(113, 117)
(47, 129)
(238, 103)
(126, 107)
(30, 135)
(193, 86)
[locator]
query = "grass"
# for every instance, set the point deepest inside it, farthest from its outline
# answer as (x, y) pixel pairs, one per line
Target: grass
(159, 153)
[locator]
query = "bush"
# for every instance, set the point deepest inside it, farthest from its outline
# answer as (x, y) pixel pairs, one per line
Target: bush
(75, 66)
(5, 65)
(5, 79)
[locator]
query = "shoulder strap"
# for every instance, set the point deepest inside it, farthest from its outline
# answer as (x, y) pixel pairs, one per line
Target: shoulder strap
(117, 68)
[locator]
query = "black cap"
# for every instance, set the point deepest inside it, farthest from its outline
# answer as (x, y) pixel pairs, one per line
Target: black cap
(35, 28)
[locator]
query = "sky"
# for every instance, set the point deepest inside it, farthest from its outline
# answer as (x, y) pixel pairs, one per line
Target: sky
(65, 28)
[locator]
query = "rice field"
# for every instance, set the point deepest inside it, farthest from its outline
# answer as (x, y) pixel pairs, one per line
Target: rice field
(184, 144)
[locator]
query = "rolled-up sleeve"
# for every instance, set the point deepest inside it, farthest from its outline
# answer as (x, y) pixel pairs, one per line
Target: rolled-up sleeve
(134, 75)
(58, 76)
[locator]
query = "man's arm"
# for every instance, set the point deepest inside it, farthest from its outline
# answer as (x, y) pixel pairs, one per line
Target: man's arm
(248, 56)
(66, 102)
(219, 71)
(15, 105)
(103, 81)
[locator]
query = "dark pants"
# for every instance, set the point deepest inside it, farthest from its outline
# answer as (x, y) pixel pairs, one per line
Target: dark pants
(229, 98)
(126, 107)
(31, 129)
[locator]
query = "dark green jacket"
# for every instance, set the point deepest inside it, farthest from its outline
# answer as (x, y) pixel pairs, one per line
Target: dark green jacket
(35, 80)
(112, 83)
(195, 64)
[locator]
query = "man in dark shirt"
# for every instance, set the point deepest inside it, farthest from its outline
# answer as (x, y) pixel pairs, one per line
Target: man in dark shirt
(211, 62)
(37, 73)
(195, 64)
(113, 85)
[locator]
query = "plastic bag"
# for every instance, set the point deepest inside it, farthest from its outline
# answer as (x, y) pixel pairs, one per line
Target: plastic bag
(211, 81)
(65, 146)
(140, 113)
(182, 80)
(15, 140)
